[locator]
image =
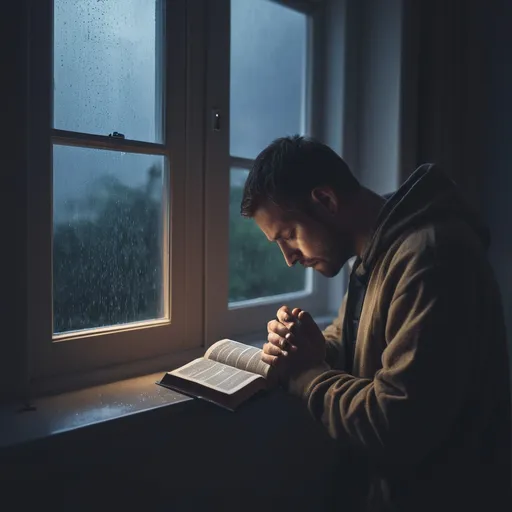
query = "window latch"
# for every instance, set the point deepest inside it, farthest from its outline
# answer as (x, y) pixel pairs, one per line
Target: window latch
(117, 135)
(216, 120)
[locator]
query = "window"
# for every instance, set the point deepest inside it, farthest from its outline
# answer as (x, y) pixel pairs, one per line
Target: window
(269, 95)
(267, 100)
(109, 223)
(145, 117)
(108, 192)
(110, 211)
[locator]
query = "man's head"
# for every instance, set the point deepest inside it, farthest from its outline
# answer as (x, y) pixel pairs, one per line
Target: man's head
(302, 195)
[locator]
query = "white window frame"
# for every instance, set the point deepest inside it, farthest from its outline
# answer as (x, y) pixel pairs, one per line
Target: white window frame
(247, 317)
(157, 341)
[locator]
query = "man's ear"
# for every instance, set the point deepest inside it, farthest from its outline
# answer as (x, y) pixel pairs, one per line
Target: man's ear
(325, 198)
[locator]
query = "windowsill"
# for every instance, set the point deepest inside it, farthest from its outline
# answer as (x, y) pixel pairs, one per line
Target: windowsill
(138, 445)
(57, 414)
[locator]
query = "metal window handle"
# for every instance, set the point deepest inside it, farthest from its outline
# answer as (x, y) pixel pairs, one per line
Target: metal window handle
(116, 135)
(216, 120)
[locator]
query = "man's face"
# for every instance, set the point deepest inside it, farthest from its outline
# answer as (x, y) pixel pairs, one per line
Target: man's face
(317, 242)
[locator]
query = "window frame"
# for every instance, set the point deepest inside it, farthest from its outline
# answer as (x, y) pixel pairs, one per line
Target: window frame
(86, 351)
(242, 319)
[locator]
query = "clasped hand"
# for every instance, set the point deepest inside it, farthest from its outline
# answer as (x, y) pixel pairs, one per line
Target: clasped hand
(293, 347)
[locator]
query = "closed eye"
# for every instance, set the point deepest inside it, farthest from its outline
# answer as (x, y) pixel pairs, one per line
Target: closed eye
(290, 236)
(284, 237)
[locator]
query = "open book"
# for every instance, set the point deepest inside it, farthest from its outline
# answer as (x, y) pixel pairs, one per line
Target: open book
(228, 374)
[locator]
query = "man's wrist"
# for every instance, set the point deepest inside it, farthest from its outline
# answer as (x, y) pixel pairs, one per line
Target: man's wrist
(299, 381)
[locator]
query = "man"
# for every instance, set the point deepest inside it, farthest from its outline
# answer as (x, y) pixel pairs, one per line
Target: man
(412, 377)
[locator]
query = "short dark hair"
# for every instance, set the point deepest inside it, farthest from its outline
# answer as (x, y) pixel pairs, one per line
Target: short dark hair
(287, 170)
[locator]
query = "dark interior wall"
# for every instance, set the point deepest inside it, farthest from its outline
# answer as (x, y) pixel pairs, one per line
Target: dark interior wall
(452, 90)
(464, 108)
(497, 189)
(464, 119)
(13, 97)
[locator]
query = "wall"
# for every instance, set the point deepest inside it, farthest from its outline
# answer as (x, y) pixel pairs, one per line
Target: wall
(13, 92)
(497, 190)
(464, 112)
(452, 90)
(496, 171)
(380, 79)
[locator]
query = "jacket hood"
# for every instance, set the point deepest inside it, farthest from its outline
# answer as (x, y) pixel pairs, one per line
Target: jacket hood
(427, 194)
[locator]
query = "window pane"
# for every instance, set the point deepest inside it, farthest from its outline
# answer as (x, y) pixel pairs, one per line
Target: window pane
(105, 67)
(268, 59)
(108, 245)
(257, 267)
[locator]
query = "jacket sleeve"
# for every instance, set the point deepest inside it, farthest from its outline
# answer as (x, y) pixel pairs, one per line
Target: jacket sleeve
(333, 335)
(413, 399)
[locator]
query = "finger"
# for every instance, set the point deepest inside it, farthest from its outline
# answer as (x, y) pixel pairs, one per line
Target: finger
(289, 342)
(278, 328)
(286, 343)
(296, 317)
(275, 339)
(274, 350)
(296, 312)
(284, 314)
(307, 320)
(270, 360)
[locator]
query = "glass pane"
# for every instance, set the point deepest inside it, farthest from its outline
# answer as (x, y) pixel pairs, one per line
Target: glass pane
(268, 79)
(108, 245)
(105, 76)
(256, 267)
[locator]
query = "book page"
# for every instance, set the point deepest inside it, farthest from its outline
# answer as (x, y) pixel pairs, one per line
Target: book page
(238, 355)
(215, 375)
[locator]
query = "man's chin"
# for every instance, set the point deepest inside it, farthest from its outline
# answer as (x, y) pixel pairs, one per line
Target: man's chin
(327, 270)
(330, 269)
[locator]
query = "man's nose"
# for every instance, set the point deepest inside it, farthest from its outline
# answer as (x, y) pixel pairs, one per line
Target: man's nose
(290, 256)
